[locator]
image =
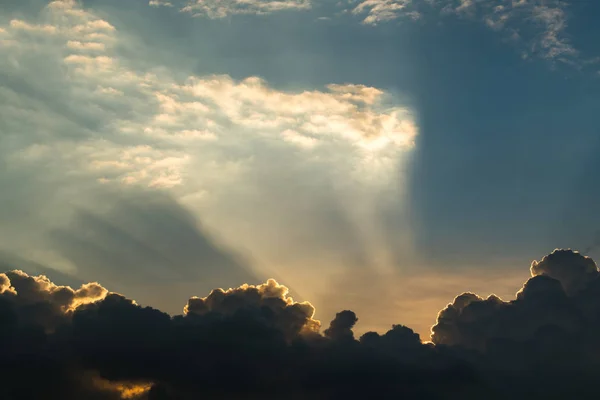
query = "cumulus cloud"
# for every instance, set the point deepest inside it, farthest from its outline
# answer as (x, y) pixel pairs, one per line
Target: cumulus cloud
(341, 326)
(289, 316)
(236, 342)
(573, 270)
(559, 295)
(5, 284)
(41, 289)
(44, 303)
(256, 341)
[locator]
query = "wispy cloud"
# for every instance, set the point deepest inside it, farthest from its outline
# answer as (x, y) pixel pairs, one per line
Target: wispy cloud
(539, 26)
(377, 11)
(216, 9)
(160, 3)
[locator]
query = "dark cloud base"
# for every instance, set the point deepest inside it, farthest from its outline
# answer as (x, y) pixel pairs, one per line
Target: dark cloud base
(255, 342)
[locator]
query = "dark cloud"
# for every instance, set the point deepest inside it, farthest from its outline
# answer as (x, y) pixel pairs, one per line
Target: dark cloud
(44, 304)
(248, 342)
(573, 270)
(257, 342)
(277, 309)
(549, 325)
(341, 327)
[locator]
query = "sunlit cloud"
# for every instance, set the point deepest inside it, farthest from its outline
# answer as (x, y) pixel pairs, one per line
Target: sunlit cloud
(378, 11)
(160, 3)
(112, 120)
(77, 45)
(217, 9)
(200, 108)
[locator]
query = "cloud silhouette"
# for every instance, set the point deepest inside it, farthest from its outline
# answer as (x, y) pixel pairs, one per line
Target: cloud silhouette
(257, 342)
(573, 270)
(290, 317)
(559, 297)
(341, 327)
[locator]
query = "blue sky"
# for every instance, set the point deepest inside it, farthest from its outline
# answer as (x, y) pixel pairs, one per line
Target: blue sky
(398, 152)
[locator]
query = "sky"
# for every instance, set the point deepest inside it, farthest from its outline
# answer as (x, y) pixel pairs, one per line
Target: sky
(376, 155)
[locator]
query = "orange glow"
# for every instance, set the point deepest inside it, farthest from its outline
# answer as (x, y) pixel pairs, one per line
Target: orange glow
(126, 390)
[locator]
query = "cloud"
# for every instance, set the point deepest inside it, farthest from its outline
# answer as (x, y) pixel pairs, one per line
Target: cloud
(77, 45)
(160, 3)
(220, 9)
(288, 316)
(236, 342)
(87, 111)
(41, 302)
(143, 139)
(559, 295)
(254, 340)
(537, 29)
(378, 11)
(538, 25)
(341, 327)
(573, 270)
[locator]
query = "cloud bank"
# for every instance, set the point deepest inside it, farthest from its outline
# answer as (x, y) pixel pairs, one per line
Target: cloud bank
(257, 342)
